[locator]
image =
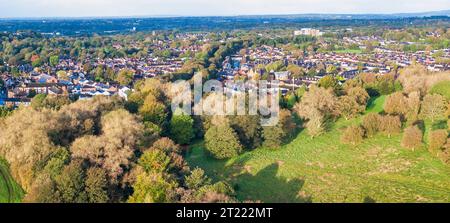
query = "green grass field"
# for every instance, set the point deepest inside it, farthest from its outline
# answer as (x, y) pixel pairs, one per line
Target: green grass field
(10, 191)
(324, 170)
(348, 51)
(442, 88)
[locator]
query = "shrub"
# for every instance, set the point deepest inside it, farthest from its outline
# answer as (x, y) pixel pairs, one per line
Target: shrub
(273, 136)
(412, 137)
(433, 106)
(444, 154)
(413, 103)
(390, 124)
(395, 104)
(371, 123)
(349, 107)
(359, 94)
(437, 140)
(353, 135)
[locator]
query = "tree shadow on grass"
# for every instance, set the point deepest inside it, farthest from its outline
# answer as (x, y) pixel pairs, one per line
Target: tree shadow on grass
(266, 186)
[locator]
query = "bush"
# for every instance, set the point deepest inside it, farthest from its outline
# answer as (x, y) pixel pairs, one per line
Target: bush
(437, 140)
(412, 138)
(371, 123)
(222, 142)
(390, 124)
(444, 154)
(273, 136)
(395, 104)
(353, 135)
(433, 106)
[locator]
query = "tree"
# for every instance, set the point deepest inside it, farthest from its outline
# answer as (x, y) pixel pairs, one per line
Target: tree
(390, 124)
(318, 106)
(54, 60)
(197, 179)
(222, 142)
(43, 190)
(353, 135)
(275, 66)
(154, 160)
(153, 111)
(4, 112)
(318, 99)
(291, 100)
(56, 162)
(55, 102)
(295, 70)
(62, 75)
(275, 136)
(437, 140)
(359, 94)
(395, 104)
(25, 150)
(115, 147)
(96, 185)
(349, 107)
(125, 77)
(329, 82)
(315, 125)
(177, 164)
(413, 107)
(332, 70)
(181, 129)
(412, 137)
(152, 188)
(70, 184)
(433, 106)
(38, 101)
(248, 129)
(37, 63)
(371, 123)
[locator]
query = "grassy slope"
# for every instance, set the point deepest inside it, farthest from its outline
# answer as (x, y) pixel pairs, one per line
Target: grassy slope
(324, 170)
(10, 191)
(442, 88)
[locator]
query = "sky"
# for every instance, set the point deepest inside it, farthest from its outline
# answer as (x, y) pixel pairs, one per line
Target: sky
(100, 8)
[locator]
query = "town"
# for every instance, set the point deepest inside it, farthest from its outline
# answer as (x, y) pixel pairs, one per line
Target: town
(167, 53)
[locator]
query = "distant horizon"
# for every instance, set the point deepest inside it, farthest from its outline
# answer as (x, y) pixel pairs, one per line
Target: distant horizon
(30, 9)
(230, 15)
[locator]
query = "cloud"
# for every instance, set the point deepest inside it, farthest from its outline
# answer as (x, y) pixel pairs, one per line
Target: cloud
(80, 8)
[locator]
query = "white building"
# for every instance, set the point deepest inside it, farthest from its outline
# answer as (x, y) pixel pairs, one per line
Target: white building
(308, 32)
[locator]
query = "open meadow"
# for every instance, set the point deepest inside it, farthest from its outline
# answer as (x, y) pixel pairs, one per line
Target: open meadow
(322, 169)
